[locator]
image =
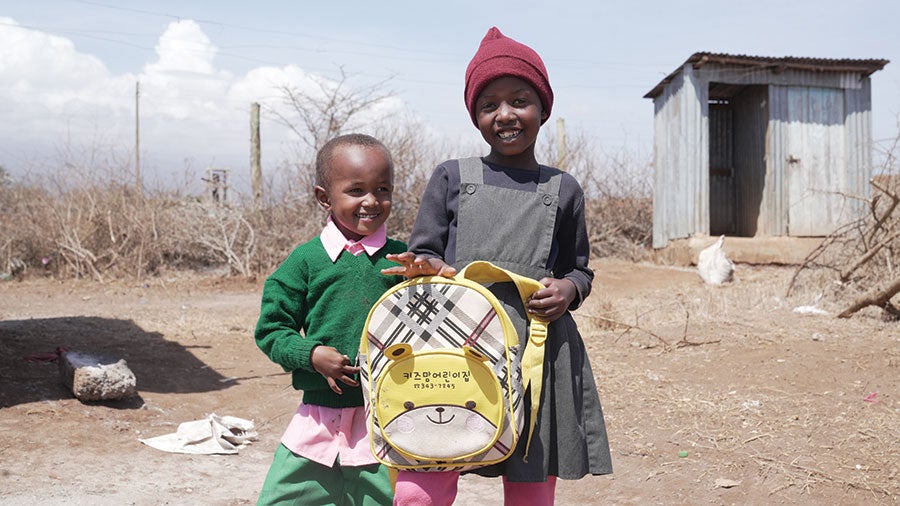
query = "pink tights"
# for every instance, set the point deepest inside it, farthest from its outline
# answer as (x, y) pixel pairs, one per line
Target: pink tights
(439, 489)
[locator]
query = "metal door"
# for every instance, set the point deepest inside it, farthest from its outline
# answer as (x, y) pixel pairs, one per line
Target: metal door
(816, 166)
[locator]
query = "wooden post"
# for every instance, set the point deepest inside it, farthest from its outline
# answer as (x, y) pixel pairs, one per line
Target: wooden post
(255, 166)
(137, 137)
(561, 152)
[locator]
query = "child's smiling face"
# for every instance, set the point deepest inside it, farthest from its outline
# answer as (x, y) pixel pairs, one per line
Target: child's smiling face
(509, 115)
(359, 189)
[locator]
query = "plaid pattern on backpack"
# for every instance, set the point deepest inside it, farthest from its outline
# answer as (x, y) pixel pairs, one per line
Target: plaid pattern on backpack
(443, 371)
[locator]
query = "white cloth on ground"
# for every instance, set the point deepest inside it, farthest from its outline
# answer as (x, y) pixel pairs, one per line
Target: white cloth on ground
(212, 435)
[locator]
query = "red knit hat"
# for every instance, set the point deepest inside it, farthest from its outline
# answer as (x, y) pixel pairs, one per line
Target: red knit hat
(500, 56)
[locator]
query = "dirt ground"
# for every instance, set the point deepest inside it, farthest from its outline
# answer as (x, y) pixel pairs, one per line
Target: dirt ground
(711, 395)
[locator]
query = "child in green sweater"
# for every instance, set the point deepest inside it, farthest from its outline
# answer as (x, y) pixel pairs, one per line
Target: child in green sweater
(313, 310)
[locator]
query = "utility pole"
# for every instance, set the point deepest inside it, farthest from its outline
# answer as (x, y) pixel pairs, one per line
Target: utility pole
(561, 150)
(137, 137)
(255, 166)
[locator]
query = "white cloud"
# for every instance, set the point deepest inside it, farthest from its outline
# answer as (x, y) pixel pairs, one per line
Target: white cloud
(49, 91)
(35, 61)
(190, 108)
(184, 47)
(263, 84)
(183, 82)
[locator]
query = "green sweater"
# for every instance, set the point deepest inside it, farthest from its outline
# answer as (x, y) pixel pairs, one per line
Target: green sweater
(310, 301)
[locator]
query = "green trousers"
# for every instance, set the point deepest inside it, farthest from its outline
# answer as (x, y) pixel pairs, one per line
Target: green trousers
(296, 481)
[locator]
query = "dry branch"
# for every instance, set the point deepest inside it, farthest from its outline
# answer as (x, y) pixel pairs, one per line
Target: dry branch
(862, 253)
(879, 298)
(864, 258)
(628, 327)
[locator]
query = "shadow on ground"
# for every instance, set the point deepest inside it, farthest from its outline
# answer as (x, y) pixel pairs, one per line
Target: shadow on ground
(28, 372)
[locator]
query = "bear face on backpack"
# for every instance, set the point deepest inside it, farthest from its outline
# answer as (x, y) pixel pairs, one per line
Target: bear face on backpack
(463, 402)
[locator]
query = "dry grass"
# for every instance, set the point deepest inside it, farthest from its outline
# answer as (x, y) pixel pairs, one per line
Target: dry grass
(755, 393)
(85, 222)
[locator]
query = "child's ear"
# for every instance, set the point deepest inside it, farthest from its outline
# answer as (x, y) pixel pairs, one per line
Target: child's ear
(544, 115)
(322, 198)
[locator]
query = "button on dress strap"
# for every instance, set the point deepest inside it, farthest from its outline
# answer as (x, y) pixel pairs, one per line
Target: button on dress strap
(548, 185)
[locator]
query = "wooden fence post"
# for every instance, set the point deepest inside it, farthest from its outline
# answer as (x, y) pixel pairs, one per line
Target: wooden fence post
(561, 151)
(255, 166)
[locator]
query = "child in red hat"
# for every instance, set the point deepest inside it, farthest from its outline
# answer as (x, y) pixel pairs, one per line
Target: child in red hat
(529, 218)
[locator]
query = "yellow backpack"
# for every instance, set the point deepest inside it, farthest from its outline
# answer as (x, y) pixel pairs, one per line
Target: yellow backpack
(444, 372)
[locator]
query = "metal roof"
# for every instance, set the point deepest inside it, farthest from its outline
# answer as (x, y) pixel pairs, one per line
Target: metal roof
(776, 64)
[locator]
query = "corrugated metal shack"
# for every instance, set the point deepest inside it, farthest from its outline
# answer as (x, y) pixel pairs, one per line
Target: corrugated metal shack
(755, 146)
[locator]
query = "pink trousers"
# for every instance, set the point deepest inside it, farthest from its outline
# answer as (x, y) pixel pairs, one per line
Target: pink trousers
(439, 489)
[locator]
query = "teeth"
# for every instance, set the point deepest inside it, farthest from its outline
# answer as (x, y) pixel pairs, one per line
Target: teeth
(508, 134)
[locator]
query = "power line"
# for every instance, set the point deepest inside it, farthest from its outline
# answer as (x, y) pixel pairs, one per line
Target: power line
(255, 29)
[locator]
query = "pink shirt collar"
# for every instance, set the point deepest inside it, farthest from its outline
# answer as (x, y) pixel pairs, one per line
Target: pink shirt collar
(334, 241)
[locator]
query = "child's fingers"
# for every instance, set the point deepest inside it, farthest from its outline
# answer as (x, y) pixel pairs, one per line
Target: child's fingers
(536, 299)
(546, 304)
(408, 264)
(401, 258)
(333, 385)
(412, 266)
(343, 374)
(347, 380)
(446, 271)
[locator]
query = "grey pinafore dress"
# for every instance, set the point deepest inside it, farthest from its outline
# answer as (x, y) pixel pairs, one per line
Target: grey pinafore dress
(514, 230)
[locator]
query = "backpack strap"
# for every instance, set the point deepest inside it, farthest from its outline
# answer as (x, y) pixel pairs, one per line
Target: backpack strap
(533, 352)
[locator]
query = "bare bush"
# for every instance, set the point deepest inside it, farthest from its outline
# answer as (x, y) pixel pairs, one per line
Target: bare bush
(80, 231)
(86, 220)
(618, 197)
(80, 216)
(221, 231)
(325, 110)
(332, 108)
(287, 216)
(415, 157)
(860, 258)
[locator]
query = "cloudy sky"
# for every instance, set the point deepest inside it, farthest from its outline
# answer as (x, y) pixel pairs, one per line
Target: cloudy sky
(69, 68)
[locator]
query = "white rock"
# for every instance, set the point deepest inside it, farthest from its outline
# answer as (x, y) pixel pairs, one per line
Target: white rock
(96, 378)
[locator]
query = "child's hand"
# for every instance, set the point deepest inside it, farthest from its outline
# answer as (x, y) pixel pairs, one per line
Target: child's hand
(413, 266)
(328, 362)
(553, 301)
